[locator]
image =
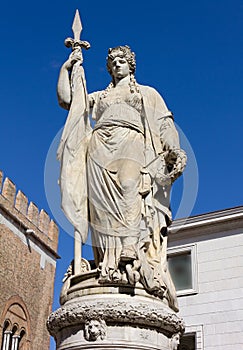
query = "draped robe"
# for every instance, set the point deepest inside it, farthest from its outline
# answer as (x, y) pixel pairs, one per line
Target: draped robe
(159, 136)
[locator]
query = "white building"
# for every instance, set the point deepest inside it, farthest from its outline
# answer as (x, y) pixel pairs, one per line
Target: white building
(205, 257)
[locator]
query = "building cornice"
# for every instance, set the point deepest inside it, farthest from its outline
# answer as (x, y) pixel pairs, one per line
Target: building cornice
(227, 219)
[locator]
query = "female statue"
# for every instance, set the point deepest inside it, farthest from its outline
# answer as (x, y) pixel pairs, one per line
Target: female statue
(118, 175)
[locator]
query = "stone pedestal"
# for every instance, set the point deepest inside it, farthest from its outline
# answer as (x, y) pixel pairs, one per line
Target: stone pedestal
(111, 316)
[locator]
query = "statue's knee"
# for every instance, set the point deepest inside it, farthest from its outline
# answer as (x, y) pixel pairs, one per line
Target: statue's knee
(129, 185)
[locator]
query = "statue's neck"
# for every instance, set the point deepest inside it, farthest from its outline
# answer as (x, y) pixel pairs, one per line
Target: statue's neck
(122, 82)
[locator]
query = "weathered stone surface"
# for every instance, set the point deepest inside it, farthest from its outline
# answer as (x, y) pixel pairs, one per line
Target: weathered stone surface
(125, 320)
(33, 213)
(44, 221)
(9, 190)
(21, 202)
(111, 316)
(139, 312)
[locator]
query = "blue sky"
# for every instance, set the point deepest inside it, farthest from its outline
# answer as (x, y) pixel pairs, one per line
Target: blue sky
(190, 51)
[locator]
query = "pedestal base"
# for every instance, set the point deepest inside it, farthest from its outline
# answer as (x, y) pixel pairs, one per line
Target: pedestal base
(112, 317)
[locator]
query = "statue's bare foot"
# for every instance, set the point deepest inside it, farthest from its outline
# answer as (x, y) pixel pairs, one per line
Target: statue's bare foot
(133, 275)
(124, 279)
(116, 276)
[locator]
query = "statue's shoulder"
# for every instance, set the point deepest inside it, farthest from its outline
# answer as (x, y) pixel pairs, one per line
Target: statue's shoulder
(148, 89)
(150, 92)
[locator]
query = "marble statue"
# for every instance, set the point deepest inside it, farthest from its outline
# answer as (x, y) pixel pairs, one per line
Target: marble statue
(116, 177)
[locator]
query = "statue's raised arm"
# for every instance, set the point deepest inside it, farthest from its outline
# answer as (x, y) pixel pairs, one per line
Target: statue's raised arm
(71, 67)
(64, 92)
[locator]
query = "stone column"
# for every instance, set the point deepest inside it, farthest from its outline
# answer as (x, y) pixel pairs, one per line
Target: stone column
(6, 340)
(15, 342)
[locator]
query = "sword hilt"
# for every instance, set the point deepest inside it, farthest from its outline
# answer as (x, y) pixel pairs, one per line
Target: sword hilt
(74, 44)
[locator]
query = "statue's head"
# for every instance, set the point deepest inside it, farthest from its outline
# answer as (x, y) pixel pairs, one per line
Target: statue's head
(123, 52)
(95, 329)
(175, 341)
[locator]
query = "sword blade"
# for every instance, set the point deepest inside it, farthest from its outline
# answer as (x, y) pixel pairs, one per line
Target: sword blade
(77, 26)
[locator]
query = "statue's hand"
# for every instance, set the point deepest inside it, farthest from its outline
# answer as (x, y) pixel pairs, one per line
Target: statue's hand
(177, 158)
(158, 172)
(75, 56)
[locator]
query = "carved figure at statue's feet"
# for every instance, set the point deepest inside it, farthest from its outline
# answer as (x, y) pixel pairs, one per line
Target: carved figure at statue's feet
(127, 273)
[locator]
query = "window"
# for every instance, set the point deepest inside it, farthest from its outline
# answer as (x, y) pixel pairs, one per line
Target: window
(183, 269)
(192, 339)
(187, 342)
(15, 326)
(12, 337)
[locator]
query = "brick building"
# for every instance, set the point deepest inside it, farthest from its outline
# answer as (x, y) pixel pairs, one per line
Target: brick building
(28, 253)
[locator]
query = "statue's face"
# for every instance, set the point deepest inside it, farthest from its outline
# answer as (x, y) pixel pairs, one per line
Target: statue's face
(94, 329)
(119, 67)
(175, 341)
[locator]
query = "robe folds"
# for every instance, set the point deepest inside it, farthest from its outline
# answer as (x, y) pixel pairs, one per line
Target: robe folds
(79, 171)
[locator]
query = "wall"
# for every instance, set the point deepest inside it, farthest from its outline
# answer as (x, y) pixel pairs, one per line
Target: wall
(217, 309)
(28, 253)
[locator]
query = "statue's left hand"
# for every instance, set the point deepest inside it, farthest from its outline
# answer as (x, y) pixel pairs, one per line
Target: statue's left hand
(76, 55)
(178, 158)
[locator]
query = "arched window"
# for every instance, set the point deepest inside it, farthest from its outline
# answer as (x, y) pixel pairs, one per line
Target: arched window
(16, 326)
(22, 336)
